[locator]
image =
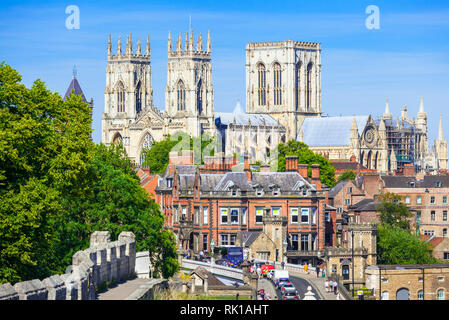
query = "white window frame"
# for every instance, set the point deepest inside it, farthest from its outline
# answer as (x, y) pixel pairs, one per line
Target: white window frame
(222, 236)
(231, 236)
(259, 192)
(305, 212)
(440, 297)
(294, 212)
(238, 213)
(224, 213)
(313, 215)
(258, 213)
(276, 212)
(418, 199)
(243, 215)
(205, 215)
(327, 216)
(347, 202)
(407, 199)
(184, 213)
(276, 192)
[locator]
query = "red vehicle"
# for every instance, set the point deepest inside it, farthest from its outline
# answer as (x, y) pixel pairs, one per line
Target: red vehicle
(265, 268)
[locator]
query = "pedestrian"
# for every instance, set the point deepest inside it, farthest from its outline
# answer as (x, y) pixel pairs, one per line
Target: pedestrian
(306, 268)
(331, 286)
(326, 285)
(335, 287)
(258, 271)
(282, 264)
(317, 271)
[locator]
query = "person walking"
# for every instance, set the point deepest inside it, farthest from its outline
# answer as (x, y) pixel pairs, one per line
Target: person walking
(306, 268)
(317, 271)
(335, 287)
(282, 264)
(259, 271)
(326, 285)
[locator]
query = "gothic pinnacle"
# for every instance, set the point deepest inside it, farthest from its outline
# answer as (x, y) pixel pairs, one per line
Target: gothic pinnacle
(148, 46)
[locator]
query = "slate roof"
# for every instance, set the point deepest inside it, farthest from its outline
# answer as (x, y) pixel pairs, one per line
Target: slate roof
(249, 237)
(429, 181)
(330, 131)
(336, 189)
(211, 279)
(242, 118)
(365, 205)
(75, 86)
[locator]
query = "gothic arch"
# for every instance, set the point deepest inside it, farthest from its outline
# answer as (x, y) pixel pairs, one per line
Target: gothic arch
(369, 160)
(121, 96)
(117, 139)
(277, 83)
(199, 97)
(146, 142)
(181, 95)
(362, 158)
(308, 79)
(261, 84)
(139, 97)
(298, 84)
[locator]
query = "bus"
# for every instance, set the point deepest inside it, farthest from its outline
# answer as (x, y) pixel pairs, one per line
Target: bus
(233, 255)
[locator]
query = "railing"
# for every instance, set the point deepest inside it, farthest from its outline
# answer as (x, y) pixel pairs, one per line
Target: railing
(217, 269)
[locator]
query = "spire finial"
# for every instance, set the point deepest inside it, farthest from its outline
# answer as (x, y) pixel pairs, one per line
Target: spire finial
(148, 46)
(109, 46)
(208, 41)
(169, 42)
(138, 47)
(74, 72)
(387, 113)
(440, 129)
(421, 105)
(119, 46)
(186, 45)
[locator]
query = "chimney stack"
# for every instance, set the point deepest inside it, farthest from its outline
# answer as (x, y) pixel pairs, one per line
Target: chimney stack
(246, 167)
(291, 163)
(316, 176)
(302, 170)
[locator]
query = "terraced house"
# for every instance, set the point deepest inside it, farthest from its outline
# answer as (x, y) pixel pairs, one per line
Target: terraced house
(217, 205)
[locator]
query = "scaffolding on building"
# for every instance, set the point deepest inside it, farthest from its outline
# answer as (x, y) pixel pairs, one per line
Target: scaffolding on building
(401, 138)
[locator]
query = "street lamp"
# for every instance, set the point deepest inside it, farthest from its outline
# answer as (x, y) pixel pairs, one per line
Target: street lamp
(352, 245)
(212, 246)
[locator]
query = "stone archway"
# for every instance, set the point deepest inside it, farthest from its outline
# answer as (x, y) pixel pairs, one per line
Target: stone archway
(403, 294)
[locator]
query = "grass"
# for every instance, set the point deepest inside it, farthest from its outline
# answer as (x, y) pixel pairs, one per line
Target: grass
(171, 295)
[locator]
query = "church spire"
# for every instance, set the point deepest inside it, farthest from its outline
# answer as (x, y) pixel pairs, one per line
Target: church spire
(138, 47)
(186, 45)
(119, 46)
(387, 114)
(129, 45)
(440, 129)
(199, 43)
(191, 43)
(208, 42)
(109, 47)
(421, 106)
(169, 42)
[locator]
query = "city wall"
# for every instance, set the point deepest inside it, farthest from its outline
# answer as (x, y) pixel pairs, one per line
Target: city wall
(103, 262)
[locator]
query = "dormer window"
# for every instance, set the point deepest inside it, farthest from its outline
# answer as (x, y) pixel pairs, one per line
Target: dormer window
(169, 182)
(259, 192)
(275, 191)
(412, 184)
(304, 192)
(438, 184)
(234, 192)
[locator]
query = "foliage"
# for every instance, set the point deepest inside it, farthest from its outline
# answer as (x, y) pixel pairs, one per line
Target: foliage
(157, 157)
(399, 246)
(347, 175)
(306, 156)
(392, 212)
(57, 186)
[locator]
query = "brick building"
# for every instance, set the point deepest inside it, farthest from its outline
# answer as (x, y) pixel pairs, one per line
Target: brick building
(214, 205)
(428, 199)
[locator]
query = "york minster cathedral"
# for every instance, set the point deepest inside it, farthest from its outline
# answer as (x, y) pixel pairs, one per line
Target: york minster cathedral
(283, 102)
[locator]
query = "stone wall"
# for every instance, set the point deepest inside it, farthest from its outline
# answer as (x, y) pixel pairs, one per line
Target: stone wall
(101, 263)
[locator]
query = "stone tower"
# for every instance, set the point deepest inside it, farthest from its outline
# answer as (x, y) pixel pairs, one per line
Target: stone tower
(283, 79)
(128, 91)
(189, 92)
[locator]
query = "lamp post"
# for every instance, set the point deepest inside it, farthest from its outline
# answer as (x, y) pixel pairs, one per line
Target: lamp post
(212, 246)
(352, 247)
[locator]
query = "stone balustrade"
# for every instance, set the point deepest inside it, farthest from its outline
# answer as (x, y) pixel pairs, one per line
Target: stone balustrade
(103, 262)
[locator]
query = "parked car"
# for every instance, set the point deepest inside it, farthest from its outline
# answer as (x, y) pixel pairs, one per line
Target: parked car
(281, 283)
(290, 295)
(287, 287)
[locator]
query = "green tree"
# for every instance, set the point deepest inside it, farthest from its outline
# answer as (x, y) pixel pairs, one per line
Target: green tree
(347, 175)
(116, 202)
(43, 154)
(306, 156)
(393, 212)
(156, 157)
(398, 246)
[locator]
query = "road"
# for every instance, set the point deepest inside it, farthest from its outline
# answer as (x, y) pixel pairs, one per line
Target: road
(301, 286)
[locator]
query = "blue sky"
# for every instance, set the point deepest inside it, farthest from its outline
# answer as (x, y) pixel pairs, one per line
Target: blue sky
(406, 58)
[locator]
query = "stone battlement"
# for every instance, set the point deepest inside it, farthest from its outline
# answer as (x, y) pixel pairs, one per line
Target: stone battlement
(102, 262)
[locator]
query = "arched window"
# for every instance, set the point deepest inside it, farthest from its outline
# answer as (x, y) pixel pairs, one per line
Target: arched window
(199, 97)
(262, 90)
(120, 97)
(277, 84)
(385, 295)
(440, 294)
(181, 96)
(309, 87)
(147, 143)
(420, 295)
(298, 85)
(117, 139)
(138, 98)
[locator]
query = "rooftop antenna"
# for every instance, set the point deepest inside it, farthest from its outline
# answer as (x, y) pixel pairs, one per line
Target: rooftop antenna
(74, 71)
